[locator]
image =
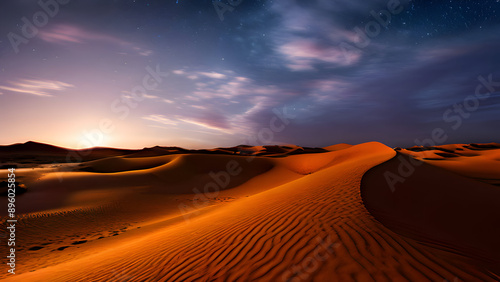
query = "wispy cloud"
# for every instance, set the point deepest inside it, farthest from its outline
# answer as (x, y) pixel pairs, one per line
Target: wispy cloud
(178, 72)
(214, 75)
(147, 96)
(214, 123)
(37, 87)
(302, 54)
(207, 120)
(129, 95)
(64, 34)
(232, 88)
(160, 119)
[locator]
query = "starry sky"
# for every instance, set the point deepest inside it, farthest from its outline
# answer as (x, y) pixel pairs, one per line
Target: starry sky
(202, 74)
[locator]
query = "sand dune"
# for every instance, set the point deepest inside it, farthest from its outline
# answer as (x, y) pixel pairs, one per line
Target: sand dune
(478, 161)
(337, 147)
(438, 207)
(291, 214)
(39, 153)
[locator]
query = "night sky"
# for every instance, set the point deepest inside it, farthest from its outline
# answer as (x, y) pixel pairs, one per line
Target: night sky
(312, 73)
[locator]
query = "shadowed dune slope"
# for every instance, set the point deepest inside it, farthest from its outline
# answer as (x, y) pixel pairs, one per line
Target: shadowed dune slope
(438, 207)
(312, 228)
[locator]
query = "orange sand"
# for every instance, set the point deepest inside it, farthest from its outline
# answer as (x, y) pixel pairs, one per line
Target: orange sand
(286, 216)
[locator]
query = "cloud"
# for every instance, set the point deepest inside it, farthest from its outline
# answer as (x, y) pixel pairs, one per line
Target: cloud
(327, 90)
(323, 32)
(71, 34)
(160, 119)
(214, 75)
(37, 87)
(260, 103)
(144, 96)
(208, 120)
(302, 54)
(147, 96)
(144, 53)
(215, 123)
(228, 105)
(199, 107)
(196, 74)
(64, 34)
(178, 72)
(232, 87)
(242, 79)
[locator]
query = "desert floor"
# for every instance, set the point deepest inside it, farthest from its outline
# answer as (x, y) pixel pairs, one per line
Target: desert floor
(346, 213)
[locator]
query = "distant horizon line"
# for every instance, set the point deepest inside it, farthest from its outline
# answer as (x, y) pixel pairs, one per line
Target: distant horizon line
(239, 145)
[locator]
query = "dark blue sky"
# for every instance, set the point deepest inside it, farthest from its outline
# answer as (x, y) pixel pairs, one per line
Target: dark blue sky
(83, 73)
